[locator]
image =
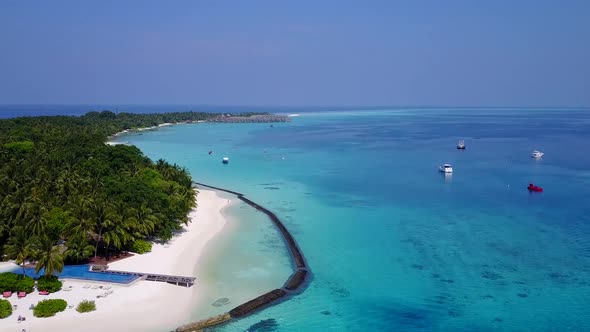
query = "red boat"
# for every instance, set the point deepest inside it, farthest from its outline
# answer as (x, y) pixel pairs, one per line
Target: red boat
(534, 188)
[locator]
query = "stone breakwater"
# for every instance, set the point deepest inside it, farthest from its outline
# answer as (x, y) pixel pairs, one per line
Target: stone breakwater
(291, 286)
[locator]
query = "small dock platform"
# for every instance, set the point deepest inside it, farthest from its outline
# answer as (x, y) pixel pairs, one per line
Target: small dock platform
(177, 280)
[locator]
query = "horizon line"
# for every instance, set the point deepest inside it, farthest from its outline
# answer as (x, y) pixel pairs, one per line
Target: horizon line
(416, 107)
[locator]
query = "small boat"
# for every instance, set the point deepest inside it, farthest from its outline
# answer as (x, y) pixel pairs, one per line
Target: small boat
(446, 168)
(210, 151)
(533, 188)
(461, 145)
(225, 160)
(537, 154)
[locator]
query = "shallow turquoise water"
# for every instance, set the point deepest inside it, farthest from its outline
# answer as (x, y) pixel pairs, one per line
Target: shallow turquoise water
(393, 244)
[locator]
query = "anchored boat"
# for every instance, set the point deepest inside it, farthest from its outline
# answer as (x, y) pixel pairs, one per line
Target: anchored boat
(534, 188)
(445, 168)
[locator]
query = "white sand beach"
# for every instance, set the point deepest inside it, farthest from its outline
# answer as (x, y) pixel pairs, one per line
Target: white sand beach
(142, 305)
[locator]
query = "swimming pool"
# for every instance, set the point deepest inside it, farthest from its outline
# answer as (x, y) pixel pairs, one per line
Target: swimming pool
(83, 272)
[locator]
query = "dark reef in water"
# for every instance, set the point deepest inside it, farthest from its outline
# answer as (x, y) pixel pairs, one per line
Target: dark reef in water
(454, 313)
(561, 278)
(220, 302)
(265, 325)
(491, 275)
(340, 291)
(386, 313)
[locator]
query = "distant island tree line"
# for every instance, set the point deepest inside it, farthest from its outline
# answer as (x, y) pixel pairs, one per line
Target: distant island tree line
(67, 197)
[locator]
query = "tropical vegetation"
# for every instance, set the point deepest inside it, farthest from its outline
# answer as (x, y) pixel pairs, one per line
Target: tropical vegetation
(141, 246)
(48, 308)
(66, 196)
(12, 282)
(5, 309)
(49, 283)
(86, 306)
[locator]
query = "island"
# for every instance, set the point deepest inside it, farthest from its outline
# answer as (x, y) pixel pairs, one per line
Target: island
(70, 201)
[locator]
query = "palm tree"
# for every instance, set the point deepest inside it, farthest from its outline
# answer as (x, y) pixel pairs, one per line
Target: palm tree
(34, 207)
(142, 221)
(102, 215)
(78, 248)
(49, 256)
(80, 224)
(115, 234)
(19, 246)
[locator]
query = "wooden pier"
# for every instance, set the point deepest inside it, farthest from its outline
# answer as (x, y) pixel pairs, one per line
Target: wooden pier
(176, 280)
(171, 279)
(259, 118)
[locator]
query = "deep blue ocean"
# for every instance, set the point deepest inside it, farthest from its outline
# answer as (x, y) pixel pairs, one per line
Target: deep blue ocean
(393, 244)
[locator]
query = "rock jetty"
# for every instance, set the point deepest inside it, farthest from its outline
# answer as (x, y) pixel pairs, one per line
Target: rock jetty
(296, 282)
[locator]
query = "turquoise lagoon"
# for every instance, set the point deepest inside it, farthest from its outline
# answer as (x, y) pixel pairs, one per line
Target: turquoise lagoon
(393, 244)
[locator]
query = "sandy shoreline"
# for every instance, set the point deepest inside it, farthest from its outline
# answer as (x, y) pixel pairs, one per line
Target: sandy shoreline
(142, 305)
(138, 130)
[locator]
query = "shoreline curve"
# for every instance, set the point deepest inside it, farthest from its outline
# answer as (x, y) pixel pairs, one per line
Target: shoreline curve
(295, 284)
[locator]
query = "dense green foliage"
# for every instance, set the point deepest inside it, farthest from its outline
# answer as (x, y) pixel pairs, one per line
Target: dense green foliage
(86, 306)
(48, 283)
(67, 196)
(48, 308)
(141, 246)
(12, 282)
(5, 309)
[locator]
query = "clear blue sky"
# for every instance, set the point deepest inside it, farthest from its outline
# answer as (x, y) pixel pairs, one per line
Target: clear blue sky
(445, 53)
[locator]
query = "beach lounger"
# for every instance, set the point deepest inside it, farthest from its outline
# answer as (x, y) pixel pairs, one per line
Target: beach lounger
(44, 292)
(21, 294)
(107, 287)
(7, 294)
(86, 286)
(95, 287)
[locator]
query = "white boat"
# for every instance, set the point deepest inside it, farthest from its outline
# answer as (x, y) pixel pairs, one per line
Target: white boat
(537, 154)
(446, 168)
(225, 160)
(461, 145)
